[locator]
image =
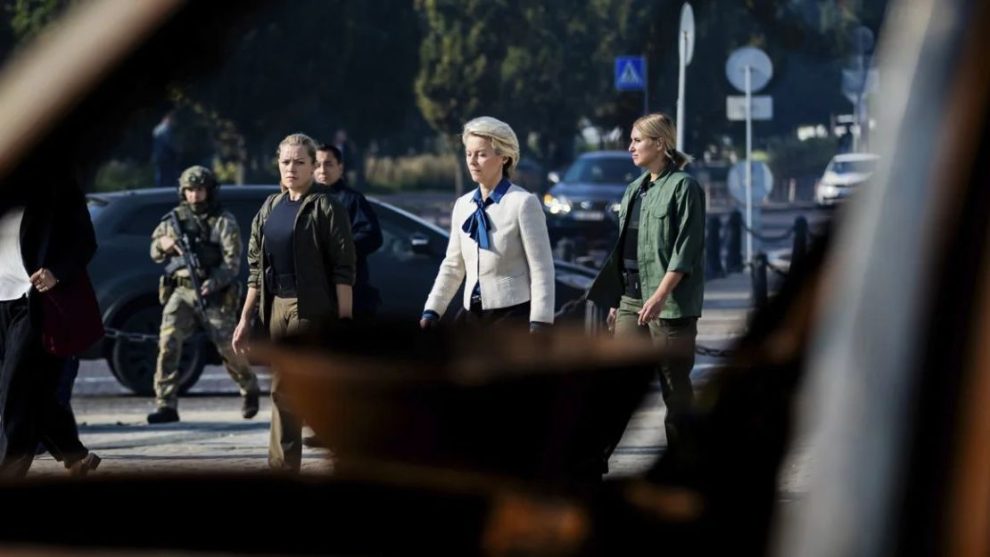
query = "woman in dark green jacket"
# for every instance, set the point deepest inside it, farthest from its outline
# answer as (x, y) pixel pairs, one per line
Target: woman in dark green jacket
(301, 268)
(653, 283)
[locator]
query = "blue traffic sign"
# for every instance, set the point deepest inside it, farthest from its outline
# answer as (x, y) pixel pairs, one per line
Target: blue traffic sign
(630, 73)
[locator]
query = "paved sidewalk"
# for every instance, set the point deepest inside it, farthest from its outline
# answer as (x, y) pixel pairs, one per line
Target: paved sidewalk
(212, 436)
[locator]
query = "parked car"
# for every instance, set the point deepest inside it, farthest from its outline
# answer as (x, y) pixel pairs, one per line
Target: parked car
(843, 175)
(585, 203)
(126, 279)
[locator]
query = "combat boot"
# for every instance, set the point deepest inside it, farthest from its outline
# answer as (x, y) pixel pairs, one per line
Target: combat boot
(163, 415)
(250, 407)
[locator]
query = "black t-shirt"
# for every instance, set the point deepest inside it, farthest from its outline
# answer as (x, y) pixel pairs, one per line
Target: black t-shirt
(630, 244)
(278, 237)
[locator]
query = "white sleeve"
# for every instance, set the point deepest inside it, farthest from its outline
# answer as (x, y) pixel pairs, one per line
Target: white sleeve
(451, 273)
(536, 245)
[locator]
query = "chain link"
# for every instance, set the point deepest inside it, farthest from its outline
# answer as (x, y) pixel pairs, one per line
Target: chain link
(711, 352)
(764, 238)
(777, 269)
(130, 337)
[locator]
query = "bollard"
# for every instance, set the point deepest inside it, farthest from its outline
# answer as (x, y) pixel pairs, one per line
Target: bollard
(758, 273)
(565, 250)
(713, 248)
(593, 318)
(800, 249)
(734, 241)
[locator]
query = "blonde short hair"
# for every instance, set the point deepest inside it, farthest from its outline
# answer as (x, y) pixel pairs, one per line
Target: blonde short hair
(503, 139)
(660, 127)
(298, 139)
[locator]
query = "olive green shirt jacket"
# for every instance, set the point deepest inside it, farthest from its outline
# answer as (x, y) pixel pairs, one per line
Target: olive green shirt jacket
(324, 254)
(671, 238)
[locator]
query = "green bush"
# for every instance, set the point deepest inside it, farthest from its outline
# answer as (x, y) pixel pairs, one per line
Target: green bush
(123, 175)
(414, 172)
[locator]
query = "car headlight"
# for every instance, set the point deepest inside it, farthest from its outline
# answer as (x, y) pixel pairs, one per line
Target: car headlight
(827, 189)
(615, 207)
(556, 205)
(575, 281)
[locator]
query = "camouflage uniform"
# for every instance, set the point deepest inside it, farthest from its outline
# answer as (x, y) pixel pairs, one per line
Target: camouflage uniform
(217, 243)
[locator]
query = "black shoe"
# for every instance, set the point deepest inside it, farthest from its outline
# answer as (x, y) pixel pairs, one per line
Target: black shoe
(313, 442)
(250, 407)
(163, 415)
(84, 465)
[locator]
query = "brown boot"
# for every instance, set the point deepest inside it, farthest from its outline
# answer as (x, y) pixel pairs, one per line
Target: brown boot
(84, 465)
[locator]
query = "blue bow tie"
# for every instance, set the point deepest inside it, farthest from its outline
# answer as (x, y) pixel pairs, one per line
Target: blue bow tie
(477, 226)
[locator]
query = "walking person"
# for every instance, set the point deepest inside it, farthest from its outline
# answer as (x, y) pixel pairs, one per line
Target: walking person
(499, 246)
(164, 154)
(365, 229)
(46, 240)
(301, 270)
(653, 282)
(215, 239)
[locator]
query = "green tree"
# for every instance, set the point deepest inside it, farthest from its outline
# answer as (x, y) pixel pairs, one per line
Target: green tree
(28, 17)
(311, 66)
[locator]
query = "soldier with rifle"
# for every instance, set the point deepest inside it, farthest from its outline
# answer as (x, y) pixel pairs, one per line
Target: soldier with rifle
(200, 244)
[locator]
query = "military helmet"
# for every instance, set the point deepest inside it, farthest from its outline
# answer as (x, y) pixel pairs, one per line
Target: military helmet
(196, 176)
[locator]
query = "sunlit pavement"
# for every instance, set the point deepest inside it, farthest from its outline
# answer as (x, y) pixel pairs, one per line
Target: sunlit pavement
(212, 436)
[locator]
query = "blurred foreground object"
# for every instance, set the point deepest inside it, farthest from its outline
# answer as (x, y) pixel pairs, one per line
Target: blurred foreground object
(510, 403)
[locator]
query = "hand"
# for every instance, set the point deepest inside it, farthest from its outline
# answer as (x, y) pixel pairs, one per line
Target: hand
(207, 287)
(43, 280)
(610, 320)
(651, 309)
(168, 245)
(239, 342)
(425, 323)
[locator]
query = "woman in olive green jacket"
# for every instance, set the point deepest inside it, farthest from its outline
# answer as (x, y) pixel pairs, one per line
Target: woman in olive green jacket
(653, 283)
(301, 267)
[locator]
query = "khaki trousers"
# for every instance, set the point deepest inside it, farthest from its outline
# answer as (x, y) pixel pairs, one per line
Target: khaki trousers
(285, 439)
(677, 338)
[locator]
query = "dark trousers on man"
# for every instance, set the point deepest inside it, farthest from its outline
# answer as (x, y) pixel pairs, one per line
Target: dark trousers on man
(29, 409)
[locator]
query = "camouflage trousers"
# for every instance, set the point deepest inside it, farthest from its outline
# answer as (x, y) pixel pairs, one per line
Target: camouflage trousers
(179, 320)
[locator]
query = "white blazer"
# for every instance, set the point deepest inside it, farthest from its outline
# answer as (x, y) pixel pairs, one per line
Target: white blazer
(518, 267)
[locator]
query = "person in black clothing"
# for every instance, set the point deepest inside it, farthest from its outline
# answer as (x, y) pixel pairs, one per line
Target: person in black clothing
(365, 229)
(46, 238)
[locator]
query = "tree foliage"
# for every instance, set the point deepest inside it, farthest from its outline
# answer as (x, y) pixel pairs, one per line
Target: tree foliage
(386, 69)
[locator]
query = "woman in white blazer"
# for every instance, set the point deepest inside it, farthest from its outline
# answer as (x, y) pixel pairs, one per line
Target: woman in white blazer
(498, 240)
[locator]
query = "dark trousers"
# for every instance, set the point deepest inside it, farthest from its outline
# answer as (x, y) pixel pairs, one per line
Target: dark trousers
(29, 409)
(477, 317)
(676, 337)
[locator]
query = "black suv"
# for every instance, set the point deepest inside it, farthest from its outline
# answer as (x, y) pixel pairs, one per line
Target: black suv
(126, 279)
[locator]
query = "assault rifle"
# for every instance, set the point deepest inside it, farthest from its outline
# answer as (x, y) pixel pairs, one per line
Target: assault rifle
(190, 258)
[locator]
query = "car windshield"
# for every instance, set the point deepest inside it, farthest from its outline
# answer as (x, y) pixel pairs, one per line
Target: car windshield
(611, 170)
(849, 167)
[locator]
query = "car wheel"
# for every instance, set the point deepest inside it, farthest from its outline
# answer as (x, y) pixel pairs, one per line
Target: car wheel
(133, 362)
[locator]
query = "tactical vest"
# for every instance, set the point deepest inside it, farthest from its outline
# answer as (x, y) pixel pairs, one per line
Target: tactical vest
(199, 231)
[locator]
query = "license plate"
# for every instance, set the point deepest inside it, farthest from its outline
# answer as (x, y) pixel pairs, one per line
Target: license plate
(588, 215)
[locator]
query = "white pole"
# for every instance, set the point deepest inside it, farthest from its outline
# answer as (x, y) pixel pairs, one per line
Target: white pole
(749, 163)
(680, 92)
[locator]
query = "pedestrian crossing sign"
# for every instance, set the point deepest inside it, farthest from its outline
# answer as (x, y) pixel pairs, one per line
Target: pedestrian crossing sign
(630, 73)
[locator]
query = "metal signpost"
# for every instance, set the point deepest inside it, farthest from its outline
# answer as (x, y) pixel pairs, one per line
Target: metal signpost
(859, 81)
(749, 69)
(685, 46)
(631, 75)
